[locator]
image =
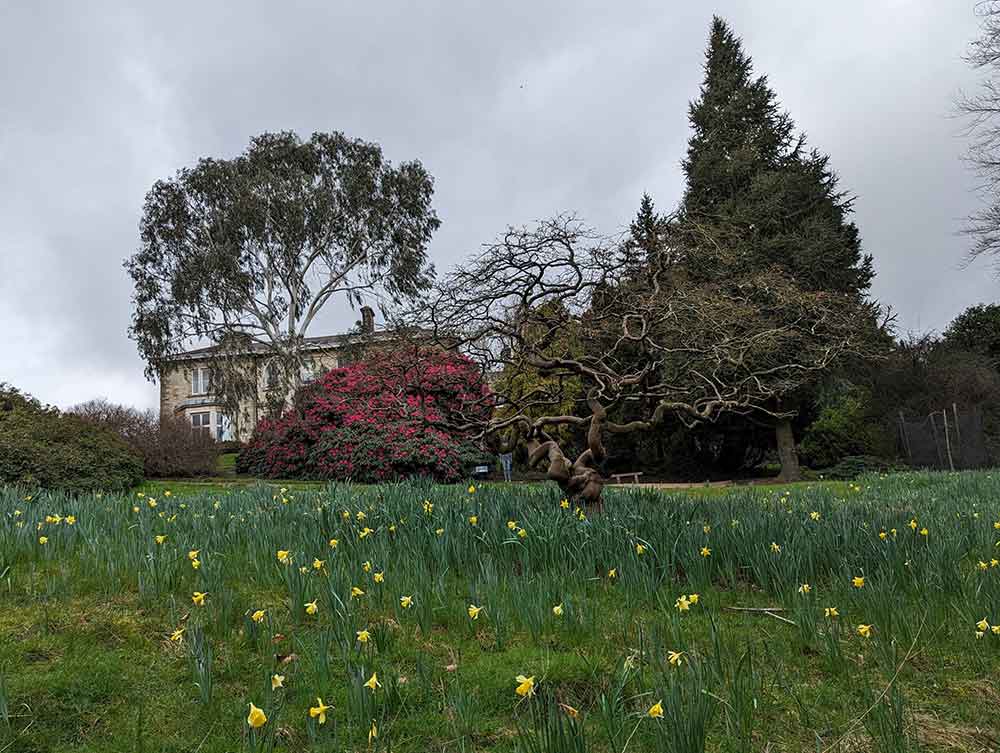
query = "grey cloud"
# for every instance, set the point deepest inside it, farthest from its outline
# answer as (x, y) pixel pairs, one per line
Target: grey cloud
(520, 110)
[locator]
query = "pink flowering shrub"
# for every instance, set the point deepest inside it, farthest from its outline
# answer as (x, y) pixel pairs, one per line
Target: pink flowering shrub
(391, 416)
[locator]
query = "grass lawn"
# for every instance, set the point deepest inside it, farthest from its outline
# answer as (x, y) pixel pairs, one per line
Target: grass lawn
(631, 630)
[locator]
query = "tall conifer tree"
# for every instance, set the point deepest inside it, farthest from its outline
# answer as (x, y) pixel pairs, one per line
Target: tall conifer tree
(758, 201)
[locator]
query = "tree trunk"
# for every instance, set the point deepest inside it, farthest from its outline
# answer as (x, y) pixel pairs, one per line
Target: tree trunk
(787, 452)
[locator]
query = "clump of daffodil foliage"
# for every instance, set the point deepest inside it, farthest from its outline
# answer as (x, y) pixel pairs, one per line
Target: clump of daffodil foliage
(500, 617)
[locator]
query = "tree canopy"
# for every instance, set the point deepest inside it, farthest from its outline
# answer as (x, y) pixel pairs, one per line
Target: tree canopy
(245, 252)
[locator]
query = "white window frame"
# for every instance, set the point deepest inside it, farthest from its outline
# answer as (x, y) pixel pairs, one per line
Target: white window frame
(201, 427)
(201, 380)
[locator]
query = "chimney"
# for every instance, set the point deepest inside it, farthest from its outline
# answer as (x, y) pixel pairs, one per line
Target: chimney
(367, 320)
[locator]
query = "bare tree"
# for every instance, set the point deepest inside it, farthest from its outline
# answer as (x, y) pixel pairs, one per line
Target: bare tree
(654, 344)
(982, 109)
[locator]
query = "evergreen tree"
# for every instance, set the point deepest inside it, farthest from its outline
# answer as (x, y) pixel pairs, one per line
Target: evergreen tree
(755, 196)
(758, 202)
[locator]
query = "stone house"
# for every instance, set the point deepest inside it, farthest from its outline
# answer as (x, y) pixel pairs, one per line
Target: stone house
(186, 380)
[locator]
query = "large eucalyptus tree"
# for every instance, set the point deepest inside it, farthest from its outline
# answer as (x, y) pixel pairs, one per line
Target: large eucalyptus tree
(242, 254)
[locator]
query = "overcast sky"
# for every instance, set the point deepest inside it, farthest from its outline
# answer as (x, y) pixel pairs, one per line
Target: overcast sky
(519, 110)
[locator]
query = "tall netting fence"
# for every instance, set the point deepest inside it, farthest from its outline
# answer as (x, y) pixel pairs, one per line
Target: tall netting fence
(950, 439)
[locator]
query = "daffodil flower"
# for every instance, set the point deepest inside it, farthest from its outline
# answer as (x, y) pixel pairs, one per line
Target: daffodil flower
(333, 543)
(676, 658)
(312, 607)
(557, 610)
(277, 681)
(318, 564)
(474, 611)
(363, 636)
(356, 592)
(865, 631)
(473, 520)
(830, 612)
(256, 718)
(178, 635)
(318, 711)
(379, 577)
(406, 602)
(706, 552)
(526, 686)
(805, 588)
(373, 682)
(858, 581)
(284, 556)
(199, 598)
(372, 732)
(655, 711)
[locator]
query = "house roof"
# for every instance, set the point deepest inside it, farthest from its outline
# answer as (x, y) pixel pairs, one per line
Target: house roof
(321, 343)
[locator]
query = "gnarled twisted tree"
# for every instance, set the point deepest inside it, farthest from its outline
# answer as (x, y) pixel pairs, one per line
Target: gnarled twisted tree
(651, 340)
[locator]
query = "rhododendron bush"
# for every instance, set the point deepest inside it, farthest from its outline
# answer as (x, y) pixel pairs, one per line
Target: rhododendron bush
(391, 416)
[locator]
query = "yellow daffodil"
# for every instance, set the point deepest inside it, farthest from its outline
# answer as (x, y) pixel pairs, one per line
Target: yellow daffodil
(472, 488)
(983, 625)
(693, 598)
(979, 634)
(361, 515)
(365, 533)
(706, 552)
(258, 616)
(912, 524)
(655, 711)
(160, 539)
(571, 712)
(195, 564)
(564, 504)
(526, 686)
(284, 556)
(830, 612)
(474, 611)
(334, 543)
(406, 602)
(318, 712)
(312, 607)
(473, 520)
(166, 493)
(151, 503)
(363, 636)
(676, 658)
(995, 629)
(805, 588)
(982, 565)
(775, 547)
(865, 631)
(373, 682)
(178, 635)
(640, 549)
(521, 533)
(814, 515)
(378, 577)
(43, 540)
(277, 681)
(303, 569)
(512, 524)
(372, 732)
(439, 532)
(557, 610)
(613, 573)
(198, 598)
(366, 566)
(256, 718)
(883, 535)
(924, 532)
(858, 581)
(318, 564)
(356, 592)
(683, 604)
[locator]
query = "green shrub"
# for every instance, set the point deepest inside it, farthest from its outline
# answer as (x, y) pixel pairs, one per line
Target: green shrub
(856, 465)
(844, 428)
(42, 447)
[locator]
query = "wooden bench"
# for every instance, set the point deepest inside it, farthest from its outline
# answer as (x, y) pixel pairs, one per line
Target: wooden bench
(634, 476)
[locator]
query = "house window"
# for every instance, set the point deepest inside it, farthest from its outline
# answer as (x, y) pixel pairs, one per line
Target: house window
(223, 427)
(202, 424)
(271, 376)
(201, 381)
